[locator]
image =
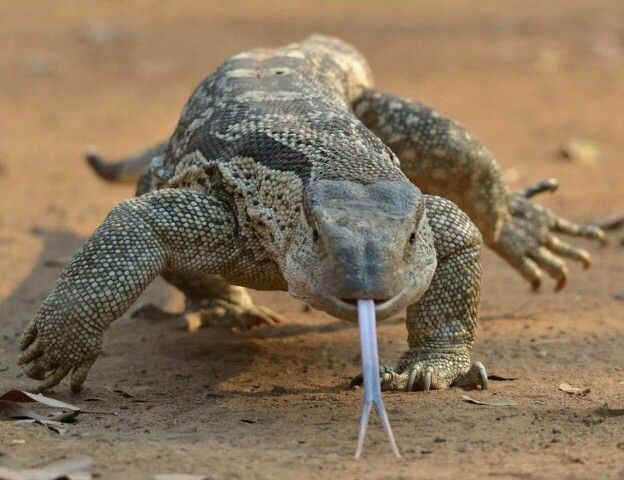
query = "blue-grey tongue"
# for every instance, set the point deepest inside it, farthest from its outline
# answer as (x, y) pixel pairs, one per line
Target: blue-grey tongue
(370, 373)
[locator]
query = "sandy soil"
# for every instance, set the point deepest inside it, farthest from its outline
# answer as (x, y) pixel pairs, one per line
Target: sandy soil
(273, 403)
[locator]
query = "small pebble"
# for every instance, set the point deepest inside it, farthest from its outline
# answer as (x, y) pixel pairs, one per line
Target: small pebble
(439, 440)
(579, 150)
(279, 390)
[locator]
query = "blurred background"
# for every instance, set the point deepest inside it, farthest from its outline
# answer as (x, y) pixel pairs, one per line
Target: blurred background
(540, 83)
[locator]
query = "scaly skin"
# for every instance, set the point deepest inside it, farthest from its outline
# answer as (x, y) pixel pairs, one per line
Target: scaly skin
(271, 181)
(444, 159)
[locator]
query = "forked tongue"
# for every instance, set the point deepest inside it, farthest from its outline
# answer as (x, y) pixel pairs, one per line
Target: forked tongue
(370, 374)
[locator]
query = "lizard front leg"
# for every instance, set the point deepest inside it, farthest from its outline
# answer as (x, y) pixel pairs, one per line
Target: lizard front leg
(441, 325)
(444, 159)
(177, 229)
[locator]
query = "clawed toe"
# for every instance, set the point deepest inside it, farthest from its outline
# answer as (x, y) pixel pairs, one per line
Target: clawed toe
(35, 371)
(425, 377)
(476, 377)
(420, 377)
(226, 314)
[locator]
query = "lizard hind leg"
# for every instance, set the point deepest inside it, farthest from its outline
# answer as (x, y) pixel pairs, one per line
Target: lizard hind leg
(212, 301)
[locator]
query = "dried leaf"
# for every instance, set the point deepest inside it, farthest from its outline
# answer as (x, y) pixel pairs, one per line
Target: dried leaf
(500, 378)
(54, 426)
(74, 469)
(566, 387)
(123, 393)
(22, 396)
(501, 402)
(11, 406)
(179, 476)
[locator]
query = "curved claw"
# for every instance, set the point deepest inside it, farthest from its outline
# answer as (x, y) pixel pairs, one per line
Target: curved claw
(54, 378)
(475, 377)
(79, 375)
(28, 335)
(30, 353)
(35, 371)
(559, 247)
(590, 232)
(411, 380)
(427, 379)
(553, 266)
(359, 378)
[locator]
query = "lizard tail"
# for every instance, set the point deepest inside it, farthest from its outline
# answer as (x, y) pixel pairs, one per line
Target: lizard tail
(128, 169)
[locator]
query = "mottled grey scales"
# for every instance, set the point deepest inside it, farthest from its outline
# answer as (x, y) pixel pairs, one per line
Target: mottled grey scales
(289, 171)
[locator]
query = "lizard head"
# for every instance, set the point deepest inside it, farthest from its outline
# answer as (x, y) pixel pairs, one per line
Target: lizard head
(361, 241)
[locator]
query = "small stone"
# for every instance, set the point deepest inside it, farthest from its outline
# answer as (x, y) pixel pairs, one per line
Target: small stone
(41, 65)
(439, 440)
(620, 445)
(100, 33)
(279, 390)
(579, 150)
(556, 430)
(426, 451)
(619, 295)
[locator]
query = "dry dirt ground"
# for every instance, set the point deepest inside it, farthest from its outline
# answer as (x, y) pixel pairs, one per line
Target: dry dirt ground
(273, 403)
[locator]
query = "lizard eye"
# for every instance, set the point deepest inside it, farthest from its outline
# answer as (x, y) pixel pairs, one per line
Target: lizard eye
(412, 238)
(315, 235)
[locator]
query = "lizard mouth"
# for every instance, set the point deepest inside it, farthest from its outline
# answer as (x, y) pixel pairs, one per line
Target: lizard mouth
(379, 302)
(384, 307)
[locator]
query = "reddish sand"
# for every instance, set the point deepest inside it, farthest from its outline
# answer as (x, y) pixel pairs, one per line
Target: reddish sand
(273, 403)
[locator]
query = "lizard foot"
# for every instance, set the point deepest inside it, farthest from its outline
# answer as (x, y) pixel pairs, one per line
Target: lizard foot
(528, 239)
(53, 346)
(434, 373)
(237, 311)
